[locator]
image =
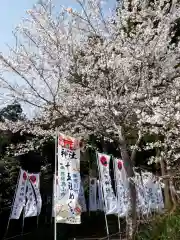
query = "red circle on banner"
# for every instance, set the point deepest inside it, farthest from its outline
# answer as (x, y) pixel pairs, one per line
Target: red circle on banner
(75, 144)
(78, 210)
(33, 178)
(24, 176)
(120, 164)
(103, 160)
(60, 140)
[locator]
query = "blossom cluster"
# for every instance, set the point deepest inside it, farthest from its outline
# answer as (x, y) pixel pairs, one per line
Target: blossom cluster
(97, 73)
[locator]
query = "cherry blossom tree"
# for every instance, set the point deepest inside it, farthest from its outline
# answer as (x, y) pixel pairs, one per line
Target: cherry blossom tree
(102, 75)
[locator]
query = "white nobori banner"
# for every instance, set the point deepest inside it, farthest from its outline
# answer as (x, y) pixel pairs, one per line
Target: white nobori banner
(122, 188)
(92, 194)
(68, 208)
(19, 200)
(82, 200)
(100, 204)
(27, 196)
(55, 189)
(81, 197)
(110, 200)
(152, 192)
(34, 201)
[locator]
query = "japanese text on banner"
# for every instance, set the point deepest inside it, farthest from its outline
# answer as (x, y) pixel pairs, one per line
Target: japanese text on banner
(68, 209)
(108, 193)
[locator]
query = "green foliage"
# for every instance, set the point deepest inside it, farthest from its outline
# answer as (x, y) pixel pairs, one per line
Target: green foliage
(12, 112)
(162, 228)
(9, 166)
(8, 180)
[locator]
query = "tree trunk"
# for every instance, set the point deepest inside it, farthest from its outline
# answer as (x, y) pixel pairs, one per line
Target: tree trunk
(167, 195)
(132, 216)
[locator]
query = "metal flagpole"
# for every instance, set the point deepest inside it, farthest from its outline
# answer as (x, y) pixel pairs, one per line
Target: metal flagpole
(12, 204)
(100, 182)
(55, 195)
(115, 179)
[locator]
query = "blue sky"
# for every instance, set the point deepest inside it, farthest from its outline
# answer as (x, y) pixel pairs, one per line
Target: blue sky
(11, 13)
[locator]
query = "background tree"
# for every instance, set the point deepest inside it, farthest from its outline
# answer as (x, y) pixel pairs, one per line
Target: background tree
(9, 165)
(94, 75)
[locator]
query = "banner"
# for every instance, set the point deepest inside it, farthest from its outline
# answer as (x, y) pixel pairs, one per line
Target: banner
(68, 209)
(159, 196)
(122, 188)
(82, 200)
(27, 196)
(100, 204)
(92, 194)
(141, 196)
(34, 201)
(110, 200)
(149, 193)
(153, 192)
(55, 188)
(19, 201)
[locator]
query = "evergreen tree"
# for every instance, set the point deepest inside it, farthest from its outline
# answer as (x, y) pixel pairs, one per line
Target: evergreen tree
(9, 166)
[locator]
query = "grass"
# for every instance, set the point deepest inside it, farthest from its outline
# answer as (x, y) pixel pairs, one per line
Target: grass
(162, 228)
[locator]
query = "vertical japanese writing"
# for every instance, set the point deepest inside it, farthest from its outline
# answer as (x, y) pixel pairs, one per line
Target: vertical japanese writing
(69, 180)
(92, 194)
(34, 201)
(108, 193)
(19, 196)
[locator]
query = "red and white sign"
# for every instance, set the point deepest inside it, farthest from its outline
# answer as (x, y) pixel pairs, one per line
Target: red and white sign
(34, 202)
(28, 188)
(19, 201)
(110, 201)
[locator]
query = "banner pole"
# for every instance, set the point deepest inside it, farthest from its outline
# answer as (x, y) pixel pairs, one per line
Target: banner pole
(55, 195)
(117, 196)
(100, 182)
(14, 197)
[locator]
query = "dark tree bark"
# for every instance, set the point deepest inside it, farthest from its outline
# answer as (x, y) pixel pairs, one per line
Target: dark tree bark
(129, 167)
(132, 216)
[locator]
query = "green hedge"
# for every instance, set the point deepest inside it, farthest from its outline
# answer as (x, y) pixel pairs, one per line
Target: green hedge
(162, 228)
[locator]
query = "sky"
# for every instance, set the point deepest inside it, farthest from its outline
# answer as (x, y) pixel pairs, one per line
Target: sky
(12, 12)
